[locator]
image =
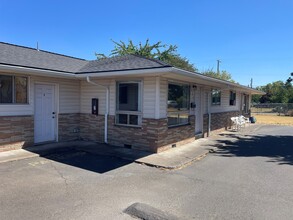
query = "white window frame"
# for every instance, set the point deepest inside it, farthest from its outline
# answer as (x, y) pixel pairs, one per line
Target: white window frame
(216, 103)
(179, 112)
(129, 113)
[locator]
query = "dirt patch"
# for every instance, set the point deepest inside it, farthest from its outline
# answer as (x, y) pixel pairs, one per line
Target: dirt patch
(274, 119)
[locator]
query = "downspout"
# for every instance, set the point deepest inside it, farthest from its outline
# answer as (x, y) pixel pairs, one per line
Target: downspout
(107, 107)
(209, 113)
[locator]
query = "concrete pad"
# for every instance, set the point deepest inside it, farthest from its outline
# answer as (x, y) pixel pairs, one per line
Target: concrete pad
(176, 158)
(37, 151)
(13, 155)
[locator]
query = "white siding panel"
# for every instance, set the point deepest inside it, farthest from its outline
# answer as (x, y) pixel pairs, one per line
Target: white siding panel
(69, 97)
(225, 103)
(69, 93)
(89, 91)
(149, 95)
(205, 107)
(112, 103)
(13, 110)
(163, 97)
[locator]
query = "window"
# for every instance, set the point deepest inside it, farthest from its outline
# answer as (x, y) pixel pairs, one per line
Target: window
(216, 97)
(13, 89)
(178, 104)
(232, 98)
(128, 102)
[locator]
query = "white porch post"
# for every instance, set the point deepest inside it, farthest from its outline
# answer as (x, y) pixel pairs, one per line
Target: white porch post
(157, 98)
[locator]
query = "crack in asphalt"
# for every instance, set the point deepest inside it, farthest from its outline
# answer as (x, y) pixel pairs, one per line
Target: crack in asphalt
(61, 175)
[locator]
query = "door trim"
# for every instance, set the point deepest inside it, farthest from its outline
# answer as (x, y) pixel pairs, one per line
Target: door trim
(56, 104)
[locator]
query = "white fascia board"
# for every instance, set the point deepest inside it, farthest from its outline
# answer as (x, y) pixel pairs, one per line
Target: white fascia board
(32, 71)
(228, 84)
(126, 72)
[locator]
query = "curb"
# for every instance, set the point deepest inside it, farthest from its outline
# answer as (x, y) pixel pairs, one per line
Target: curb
(179, 166)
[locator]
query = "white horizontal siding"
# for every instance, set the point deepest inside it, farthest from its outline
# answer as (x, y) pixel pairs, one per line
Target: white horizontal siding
(149, 96)
(69, 92)
(225, 103)
(205, 96)
(14, 110)
(69, 97)
(89, 91)
(163, 97)
(112, 104)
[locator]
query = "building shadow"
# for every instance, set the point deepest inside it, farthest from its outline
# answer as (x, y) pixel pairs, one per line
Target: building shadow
(277, 149)
(95, 157)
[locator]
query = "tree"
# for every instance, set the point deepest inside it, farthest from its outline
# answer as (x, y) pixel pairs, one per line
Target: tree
(276, 92)
(224, 75)
(163, 52)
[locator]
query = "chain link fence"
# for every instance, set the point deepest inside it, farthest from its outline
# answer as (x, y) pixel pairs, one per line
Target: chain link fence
(272, 108)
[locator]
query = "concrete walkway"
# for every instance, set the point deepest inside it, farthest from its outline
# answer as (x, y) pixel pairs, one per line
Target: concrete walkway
(175, 158)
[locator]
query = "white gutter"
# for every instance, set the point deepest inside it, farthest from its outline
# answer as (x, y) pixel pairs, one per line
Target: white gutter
(126, 72)
(33, 71)
(233, 85)
(107, 107)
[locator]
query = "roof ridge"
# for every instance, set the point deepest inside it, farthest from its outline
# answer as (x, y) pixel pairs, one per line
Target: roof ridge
(31, 48)
(152, 59)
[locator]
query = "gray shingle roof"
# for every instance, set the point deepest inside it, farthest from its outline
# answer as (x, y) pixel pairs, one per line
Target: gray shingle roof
(28, 57)
(126, 62)
(15, 55)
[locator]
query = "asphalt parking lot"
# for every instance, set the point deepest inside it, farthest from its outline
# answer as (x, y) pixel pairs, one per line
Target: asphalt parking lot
(249, 177)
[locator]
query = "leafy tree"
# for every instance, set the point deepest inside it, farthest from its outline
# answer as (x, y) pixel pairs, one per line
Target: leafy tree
(224, 75)
(163, 52)
(256, 98)
(276, 92)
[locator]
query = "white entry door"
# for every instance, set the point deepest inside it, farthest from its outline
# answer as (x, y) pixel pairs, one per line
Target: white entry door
(198, 111)
(45, 115)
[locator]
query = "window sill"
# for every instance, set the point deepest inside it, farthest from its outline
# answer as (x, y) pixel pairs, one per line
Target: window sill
(180, 125)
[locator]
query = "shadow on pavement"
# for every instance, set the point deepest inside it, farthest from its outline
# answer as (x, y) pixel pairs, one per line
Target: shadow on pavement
(99, 158)
(278, 148)
(87, 161)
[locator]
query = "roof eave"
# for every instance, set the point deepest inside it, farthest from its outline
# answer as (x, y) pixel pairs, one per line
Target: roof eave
(35, 71)
(158, 70)
(211, 79)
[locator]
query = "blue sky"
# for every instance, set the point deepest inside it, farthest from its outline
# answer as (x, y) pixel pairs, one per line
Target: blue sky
(252, 38)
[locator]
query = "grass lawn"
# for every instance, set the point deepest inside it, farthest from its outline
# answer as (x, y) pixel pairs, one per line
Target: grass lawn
(274, 119)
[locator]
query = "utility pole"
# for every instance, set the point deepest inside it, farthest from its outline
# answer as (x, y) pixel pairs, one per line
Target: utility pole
(218, 66)
(251, 83)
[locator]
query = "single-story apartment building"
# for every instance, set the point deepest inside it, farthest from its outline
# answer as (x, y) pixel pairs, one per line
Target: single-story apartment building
(127, 101)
